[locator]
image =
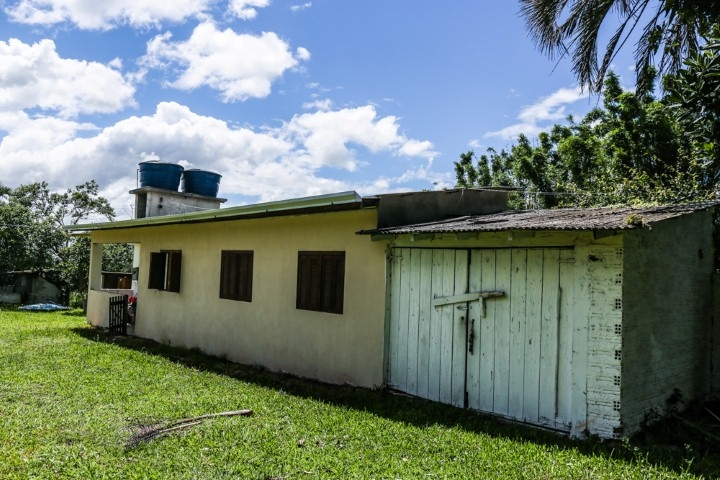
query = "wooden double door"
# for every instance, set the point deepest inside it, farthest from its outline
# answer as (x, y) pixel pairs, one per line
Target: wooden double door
(488, 329)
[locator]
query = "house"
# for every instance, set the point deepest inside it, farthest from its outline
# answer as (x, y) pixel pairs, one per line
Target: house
(579, 320)
(226, 281)
(30, 287)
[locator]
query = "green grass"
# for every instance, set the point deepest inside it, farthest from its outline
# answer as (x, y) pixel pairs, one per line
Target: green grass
(72, 399)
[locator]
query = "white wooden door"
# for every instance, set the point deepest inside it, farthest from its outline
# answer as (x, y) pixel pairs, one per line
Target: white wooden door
(510, 356)
(427, 355)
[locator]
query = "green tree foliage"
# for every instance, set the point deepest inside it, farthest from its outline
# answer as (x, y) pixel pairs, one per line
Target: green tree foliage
(117, 257)
(672, 28)
(694, 96)
(629, 150)
(74, 266)
(14, 251)
(30, 240)
(32, 236)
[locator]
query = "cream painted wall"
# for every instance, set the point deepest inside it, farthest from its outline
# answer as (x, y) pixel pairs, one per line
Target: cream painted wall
(98, 313)
(268, 331)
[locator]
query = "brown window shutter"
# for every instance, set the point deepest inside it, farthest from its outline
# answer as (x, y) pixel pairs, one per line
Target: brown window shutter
(320, 284)
(245, 269)
(174, 270)
(157, 271)
(236, 271)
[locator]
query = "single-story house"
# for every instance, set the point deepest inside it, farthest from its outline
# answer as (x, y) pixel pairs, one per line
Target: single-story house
(29, 287)
(579, 320)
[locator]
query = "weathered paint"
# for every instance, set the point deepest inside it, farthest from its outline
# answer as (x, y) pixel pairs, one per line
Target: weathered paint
(268, 331)
(667, 315)
(504, 358)
(154, 202)
(632, 320)
(604, 355)
(536, 358)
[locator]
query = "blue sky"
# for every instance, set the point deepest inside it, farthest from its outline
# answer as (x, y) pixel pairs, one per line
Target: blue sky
(283, 98)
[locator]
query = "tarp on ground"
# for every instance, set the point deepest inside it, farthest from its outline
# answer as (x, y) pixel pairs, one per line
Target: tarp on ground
(44, 307)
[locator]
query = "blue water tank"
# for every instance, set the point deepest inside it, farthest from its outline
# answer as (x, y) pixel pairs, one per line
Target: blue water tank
(160, 175)
(200, 182)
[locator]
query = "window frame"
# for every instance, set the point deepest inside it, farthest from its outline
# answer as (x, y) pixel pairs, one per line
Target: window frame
(165, 270)
(321, 285)
(240, 287)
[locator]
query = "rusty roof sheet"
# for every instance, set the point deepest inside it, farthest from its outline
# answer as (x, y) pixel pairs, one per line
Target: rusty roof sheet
(603, 218)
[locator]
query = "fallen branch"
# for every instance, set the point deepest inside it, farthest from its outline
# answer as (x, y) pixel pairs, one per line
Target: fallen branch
(232, 413)
(154, 432)
(698, 428)
(711, 413)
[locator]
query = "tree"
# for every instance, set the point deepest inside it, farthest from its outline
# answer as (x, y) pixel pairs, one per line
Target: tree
(75, 265)
(627, 151)
(14, 253)
(468, 175)
(674, 29)
(118, 257)
(32, 235)
(71, 206)
(694, 96)
(29, 241)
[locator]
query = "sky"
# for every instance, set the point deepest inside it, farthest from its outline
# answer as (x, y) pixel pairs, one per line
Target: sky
(283, 98)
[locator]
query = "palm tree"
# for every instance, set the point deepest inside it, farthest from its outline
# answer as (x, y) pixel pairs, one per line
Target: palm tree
(571, 28)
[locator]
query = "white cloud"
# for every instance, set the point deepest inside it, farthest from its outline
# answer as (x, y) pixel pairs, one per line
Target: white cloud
(533, 118)
(35, 76)
(552, 107)
(416, 148)
(105, 14)
(245, 9)
(116, 63)
(304, 6)
(323, 105)
(513, 131)
(302, 53)
(425, 173)
(326, 137)
(271, 164)
(239, 66)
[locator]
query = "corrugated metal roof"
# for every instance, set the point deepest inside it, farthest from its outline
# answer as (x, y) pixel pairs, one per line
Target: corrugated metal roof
(604, 218)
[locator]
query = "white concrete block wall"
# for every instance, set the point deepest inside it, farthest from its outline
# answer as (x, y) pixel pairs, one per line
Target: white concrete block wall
(604, 356)
(667, 314)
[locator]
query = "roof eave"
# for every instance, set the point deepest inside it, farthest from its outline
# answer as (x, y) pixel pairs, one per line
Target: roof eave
(315, 204)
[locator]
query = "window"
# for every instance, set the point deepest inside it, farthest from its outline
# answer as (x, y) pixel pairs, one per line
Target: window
(236, 273)
(321, 281)
(165, 269)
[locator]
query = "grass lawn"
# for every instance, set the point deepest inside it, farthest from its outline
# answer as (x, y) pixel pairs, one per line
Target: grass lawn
(72, 399)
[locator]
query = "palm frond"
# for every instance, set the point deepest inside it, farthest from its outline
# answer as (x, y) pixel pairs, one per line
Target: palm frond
(588, 17)
(540, 22)
(573, 28)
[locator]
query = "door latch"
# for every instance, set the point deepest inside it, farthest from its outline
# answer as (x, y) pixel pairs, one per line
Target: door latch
(471, 336)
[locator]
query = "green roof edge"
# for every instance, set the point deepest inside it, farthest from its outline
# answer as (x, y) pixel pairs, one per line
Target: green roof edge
(230, 213)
